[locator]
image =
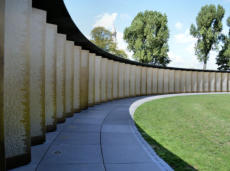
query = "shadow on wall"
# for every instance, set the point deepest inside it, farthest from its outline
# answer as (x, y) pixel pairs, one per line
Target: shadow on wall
(172, 159)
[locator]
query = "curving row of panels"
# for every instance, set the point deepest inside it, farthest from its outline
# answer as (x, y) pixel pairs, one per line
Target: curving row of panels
(45, 78)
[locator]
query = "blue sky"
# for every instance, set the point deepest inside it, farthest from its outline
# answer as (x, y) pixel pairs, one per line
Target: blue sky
(181, 14)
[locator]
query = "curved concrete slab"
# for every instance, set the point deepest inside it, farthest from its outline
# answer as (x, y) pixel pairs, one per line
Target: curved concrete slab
(101, 138)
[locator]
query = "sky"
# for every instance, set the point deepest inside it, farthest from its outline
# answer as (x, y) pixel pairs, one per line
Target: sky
(88, 14)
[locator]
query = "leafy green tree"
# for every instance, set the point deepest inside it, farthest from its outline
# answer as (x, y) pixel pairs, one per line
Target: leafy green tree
(147, 37)
(119, 52)
(103, 38)
(223, 58)
(207, 31)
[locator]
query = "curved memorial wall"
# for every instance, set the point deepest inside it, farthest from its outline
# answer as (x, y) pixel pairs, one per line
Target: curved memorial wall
(49, 70)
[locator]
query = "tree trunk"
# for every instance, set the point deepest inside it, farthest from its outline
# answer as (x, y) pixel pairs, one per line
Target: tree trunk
(204, 66)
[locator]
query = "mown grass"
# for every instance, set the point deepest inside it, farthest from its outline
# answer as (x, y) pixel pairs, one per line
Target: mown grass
(188, 132)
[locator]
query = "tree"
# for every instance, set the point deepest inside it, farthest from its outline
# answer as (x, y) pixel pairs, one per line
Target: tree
(147, 37)
(207, 31)
(103, 38)
(119, 52)
(223, 58)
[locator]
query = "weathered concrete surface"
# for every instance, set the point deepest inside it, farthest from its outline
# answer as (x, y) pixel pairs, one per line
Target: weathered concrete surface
(100, 138)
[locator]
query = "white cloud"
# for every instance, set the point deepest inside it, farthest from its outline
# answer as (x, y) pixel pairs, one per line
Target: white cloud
(106, 20)
(122, 44)
(179, 25)
(184, 37)
(189, 61)
(190, 48)
(225, 30)
(212, 60)
(176, 60)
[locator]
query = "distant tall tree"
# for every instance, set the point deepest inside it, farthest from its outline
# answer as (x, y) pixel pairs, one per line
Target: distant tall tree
(223, 58)
(147, 37)
(207, 31)
(103, 38)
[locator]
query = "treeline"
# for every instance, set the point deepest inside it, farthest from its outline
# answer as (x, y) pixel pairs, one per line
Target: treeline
(148, 36)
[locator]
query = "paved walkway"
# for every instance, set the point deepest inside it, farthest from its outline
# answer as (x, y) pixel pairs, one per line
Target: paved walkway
(101, 138)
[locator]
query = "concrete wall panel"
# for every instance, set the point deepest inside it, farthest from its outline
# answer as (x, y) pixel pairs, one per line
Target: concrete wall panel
(121, 80)
(206, 81)
(68, 94)
(127, 68)
(115, 79)
(194, 82)
(166, 81)
(60, 75)
(103, 79)
(154, 80)
(218, 82)
(188, 80)
(212, 81)
(76, 79)
(200, 81)
(177, 81)
(2, 51)
(109, 80)
(149, 80)
(91, 85)
(224, 82)
(84, 79)
(160, 82)
(16, 80)
(37, 77)
(171, 81)
(138, 80)
(97, 79)
(143, 81)
(132, 80)
(182, 81)
(50, 77)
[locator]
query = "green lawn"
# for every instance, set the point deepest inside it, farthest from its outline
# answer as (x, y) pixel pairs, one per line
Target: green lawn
(188, 132)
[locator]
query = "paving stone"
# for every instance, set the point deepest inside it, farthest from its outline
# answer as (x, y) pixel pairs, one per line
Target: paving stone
(71, 167)
(124, 154)
(118, 139)
(82, 128)
(29, 167)
(87, 120)
(80, 138)
(73, 154)
(133, 167)
(122, 128)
